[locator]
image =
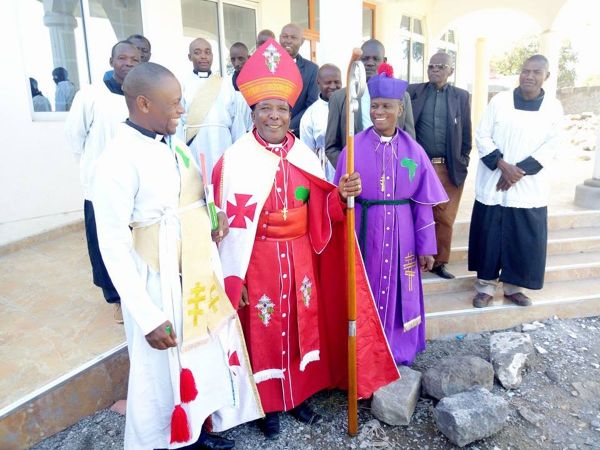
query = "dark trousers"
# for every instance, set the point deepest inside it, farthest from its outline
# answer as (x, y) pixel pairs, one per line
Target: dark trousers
(444, 214)
(99, 272)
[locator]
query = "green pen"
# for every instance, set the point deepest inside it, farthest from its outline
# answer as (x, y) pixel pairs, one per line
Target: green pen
(209, 195)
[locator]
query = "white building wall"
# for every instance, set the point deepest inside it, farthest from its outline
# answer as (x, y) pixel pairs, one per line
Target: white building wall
(39, 178)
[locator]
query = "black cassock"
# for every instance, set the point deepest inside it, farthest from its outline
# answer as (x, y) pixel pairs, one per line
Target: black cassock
(511, 239)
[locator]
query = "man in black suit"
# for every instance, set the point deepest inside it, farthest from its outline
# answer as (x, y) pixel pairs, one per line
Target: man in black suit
(335, 137)
(443, 125)
(291, 39)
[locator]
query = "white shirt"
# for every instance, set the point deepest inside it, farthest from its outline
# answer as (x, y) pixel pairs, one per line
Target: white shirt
(365, 110)
(90, 125)
(517, 134)
(313, 126)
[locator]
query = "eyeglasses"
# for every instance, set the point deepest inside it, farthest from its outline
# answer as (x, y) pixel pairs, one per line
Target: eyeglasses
(438, 66)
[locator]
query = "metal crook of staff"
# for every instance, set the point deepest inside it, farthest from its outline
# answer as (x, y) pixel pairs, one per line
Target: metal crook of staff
(356, 82)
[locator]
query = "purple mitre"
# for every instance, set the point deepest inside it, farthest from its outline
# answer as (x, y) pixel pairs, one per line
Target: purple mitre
(384, 85)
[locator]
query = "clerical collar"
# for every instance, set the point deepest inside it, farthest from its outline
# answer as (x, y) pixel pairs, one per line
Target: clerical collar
(202, 74)
(286, 144)
(113, 86)
(385, 139)
(146, 132)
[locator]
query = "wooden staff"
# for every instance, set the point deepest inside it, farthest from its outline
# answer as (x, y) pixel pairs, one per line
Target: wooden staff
(355, 82)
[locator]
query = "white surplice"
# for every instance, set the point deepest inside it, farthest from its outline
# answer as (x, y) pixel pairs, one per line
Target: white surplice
(214, 133)
(240, 112)
(90, 125)
(137, 180)
(517, 134)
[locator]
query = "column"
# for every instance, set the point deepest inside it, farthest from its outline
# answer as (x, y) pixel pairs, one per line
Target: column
(481, 80)
(340, 32)
(587, 194)
(61, 23)
(550, 48)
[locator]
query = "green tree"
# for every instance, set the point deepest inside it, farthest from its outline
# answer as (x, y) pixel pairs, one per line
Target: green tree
(510, 63)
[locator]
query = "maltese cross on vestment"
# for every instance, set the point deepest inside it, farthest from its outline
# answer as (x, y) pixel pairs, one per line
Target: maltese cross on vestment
(272, 57)
(240, 211)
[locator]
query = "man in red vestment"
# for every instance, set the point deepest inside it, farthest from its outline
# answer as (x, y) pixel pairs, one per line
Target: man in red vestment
(286, 234)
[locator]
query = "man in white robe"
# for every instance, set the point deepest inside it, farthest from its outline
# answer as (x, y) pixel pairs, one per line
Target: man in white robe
(241, 114)
(313, 124)
(147, 180)
(206, 124)
(91, 123)
(517, 138)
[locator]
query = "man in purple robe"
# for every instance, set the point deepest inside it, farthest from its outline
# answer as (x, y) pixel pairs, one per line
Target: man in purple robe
(395, 216)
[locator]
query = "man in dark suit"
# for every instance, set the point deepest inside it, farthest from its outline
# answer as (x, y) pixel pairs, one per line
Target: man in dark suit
(335, 137)
(443, 124)
(291, 39)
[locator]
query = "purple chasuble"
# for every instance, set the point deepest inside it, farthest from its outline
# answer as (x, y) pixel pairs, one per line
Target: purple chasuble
(396, 234)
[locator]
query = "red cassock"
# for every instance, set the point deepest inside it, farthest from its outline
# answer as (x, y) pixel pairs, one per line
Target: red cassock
(296, 323)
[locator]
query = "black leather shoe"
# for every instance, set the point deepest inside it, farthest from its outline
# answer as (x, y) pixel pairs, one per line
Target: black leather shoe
(269, 425)
(305, 414)
(213, 442)
(442, 272)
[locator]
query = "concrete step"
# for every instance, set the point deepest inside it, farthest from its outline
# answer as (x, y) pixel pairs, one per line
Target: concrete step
(559, 267)
(556, 221)
(453, 313)
(566, 240)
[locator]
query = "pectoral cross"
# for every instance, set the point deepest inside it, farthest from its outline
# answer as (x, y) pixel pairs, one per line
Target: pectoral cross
(284, 211)
(382, 183)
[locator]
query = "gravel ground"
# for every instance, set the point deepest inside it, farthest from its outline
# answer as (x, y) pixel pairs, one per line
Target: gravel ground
(556, 407)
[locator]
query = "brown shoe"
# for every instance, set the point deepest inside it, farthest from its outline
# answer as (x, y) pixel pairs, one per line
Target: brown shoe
(519, 299)
(118, 313)
(482, 300)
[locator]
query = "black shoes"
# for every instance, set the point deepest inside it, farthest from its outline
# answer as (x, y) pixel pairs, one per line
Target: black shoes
(305, 414)
(213, 442)
(442, 272)
(269, 425)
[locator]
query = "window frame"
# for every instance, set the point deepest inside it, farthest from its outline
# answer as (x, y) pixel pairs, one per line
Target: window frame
(413, 37)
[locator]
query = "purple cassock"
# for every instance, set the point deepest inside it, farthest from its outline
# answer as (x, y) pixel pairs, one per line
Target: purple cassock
(394, 222)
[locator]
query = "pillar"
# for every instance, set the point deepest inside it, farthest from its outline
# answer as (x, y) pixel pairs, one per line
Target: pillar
(550, 47)
(481, 80)
(587, 194)
(340, 32)
(61, 23)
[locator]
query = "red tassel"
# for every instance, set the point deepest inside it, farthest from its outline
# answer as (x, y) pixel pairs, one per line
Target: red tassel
(180, 429)
(187, 386)
(387, 69)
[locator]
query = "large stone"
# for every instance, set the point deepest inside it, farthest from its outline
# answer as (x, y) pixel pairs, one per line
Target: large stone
(395, 403)
(470, 416)
(457, 374)
(510, 353)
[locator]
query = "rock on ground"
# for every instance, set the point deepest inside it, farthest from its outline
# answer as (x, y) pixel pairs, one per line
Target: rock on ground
(457, 374)
(395, 403)
(509, 354)
(470, 416)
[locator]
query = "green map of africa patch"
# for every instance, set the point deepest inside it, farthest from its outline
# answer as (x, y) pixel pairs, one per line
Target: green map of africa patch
(411, 165)
(301, 193)
(184, 157)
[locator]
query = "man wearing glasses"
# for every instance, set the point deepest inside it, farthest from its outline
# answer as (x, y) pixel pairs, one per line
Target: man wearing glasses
(443, 126)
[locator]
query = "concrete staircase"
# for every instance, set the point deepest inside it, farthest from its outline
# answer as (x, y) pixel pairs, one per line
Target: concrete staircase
(572, 283)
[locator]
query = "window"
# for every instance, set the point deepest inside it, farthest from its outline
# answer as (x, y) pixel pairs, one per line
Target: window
(412, 53)
(66, 44)
(447, 43)
(368, 21)
(201, 19)
(306, 14)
